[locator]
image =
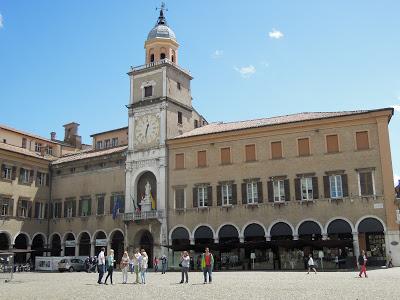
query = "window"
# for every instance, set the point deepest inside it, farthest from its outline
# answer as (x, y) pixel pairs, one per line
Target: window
(40, 179)
(306, 188)
(279, 190)
(39, 210)
(152, 58)
(49, 150)
(303, 146)
(99, 145)
(226, 190)
(179, 117)
(57, 209)
(332, 143)
(179, 161)
(85, 207)
(6, 172)
(201, 159)
(38, 147)
(250, 152)
(69, 209)
(100, 205)
(114, 142)
(148, 91)
(4, 141)
(23, 208)
(23, 143)
(225, 156)
(178, 85)
(335, 182)
(202, 196)
(252, 192)
(72, 170)
(362, 140)
(162, 56)
(366, 183)
(107, 143)
(179, 198)
(276, 150)
(196, 123)
(24, 175)
(5, 207)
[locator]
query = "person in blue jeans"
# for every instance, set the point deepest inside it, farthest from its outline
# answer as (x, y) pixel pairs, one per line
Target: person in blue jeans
(207, 265)
(101, 264)
(163, 264)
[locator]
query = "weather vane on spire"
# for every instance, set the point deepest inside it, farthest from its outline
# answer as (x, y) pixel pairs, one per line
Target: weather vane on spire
(161, 19)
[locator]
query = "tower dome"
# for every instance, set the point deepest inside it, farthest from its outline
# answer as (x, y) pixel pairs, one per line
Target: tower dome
(161, 29)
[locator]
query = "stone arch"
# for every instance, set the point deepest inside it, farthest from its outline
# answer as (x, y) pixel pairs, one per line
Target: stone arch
(177, 226)
(296, 231)
(206, 225)
(117, 242)
(5, 245)
(55, 243)
(29, 241)
(95, 234)
(280, 221)
(338, 218)
(372, 217)
(84, 245)
(144, 239)
(253, 222)
(228, 224)
(43, 236)
(64, 238)
(21, 244)
(78, 238)
(135, 182)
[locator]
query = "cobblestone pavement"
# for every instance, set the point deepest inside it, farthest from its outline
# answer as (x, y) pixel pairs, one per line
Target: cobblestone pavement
(381, 284)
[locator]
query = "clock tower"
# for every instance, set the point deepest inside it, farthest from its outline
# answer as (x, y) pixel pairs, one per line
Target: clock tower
(160, 108)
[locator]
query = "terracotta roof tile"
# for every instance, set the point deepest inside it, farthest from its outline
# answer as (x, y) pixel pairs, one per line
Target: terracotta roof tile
(218, 127)
(24, 151)
(88, 153)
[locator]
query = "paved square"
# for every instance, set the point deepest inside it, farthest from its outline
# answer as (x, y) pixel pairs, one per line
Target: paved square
(381, 284)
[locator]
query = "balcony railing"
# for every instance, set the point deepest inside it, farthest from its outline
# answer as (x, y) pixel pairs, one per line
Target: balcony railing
(157, 63)
(144, 215)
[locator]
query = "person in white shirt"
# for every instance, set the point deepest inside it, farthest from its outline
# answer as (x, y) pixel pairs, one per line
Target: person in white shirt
(101, 262)
(143, 266)
(311, 264)
(136, 263)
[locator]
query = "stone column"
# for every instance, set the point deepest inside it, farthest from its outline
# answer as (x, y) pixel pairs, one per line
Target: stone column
(62, 253)
(356, 245)
(216, 240)
(28, 255)
(92, 248)
(392, 242)
(192, 241)
(324, 236)
(295, 237)
(268, 238)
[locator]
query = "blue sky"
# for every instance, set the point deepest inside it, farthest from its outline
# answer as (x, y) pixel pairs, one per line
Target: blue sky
(63, 61)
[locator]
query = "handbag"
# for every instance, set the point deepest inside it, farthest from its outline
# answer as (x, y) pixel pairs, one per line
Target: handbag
(180, 264)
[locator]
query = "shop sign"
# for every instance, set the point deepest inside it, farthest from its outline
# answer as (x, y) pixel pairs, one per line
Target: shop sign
(101, 242)
(70, 244)
(378, 205)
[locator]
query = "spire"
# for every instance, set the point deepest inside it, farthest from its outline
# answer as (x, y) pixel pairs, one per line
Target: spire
(161, 19)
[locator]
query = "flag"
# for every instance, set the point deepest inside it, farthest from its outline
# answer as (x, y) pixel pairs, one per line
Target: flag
(153, 202)
(115, 208)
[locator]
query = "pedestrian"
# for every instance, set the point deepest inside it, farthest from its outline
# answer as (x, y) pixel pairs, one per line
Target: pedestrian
(131, 264)
(155, 264)
(110, 266)
(311, 264)
(137, 257)
(389, 259)
(143, 266)
(101, 262)
(184, 264)
(207, 265)
(362, 261)
(124, 267)
(163, 264)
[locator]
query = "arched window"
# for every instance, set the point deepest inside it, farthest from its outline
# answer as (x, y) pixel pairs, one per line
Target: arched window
(173, 58)
(162, 56)
(152, 58)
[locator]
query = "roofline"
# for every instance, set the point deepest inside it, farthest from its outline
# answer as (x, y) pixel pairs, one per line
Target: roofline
(27, 134)
(108, 131)
(28, 154)
(178, 138)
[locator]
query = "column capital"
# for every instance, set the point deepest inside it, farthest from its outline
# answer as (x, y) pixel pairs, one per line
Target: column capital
(268, 238)
(295, 237)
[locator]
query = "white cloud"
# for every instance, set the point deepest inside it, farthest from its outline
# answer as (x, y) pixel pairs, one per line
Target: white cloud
(246, 71)
(217, 53)
(275, 34)
(396, 179)
(1, 21)
(396, 107)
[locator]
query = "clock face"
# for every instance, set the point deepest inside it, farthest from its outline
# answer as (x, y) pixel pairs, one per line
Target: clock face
(147, 129)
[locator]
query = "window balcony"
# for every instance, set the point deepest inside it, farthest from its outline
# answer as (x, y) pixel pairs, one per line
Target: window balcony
(144, 215)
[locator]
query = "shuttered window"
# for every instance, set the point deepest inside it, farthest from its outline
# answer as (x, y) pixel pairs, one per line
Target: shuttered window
(100, 205)
(276, 150)
(366, 183)
(332, 143)
(250, 152)
(179, 161)
(303, 146)
(225, 156)
(362, 140)
(179, 198)
(201, 159)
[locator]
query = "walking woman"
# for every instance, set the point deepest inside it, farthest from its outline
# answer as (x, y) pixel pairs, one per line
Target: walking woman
(110, 266)
(362, 261)
(143, 266)
(124, 267)
(311, 264)
(137, 258)
(185, 263)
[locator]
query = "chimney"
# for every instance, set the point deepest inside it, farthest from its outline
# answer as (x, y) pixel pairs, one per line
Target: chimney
(53, 136)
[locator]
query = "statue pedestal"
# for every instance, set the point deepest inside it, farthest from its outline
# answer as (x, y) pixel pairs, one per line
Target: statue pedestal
(145, 205)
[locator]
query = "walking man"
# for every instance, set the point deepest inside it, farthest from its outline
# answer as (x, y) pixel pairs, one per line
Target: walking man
(101, 264)
(207, 265)
(163, 264)
(362, 261)
(311, 264)
(137, 257)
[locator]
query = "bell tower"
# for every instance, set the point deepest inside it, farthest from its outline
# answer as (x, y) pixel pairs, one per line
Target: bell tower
(161, 41)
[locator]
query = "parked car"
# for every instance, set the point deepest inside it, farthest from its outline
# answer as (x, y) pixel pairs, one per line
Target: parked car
(71, 264)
